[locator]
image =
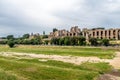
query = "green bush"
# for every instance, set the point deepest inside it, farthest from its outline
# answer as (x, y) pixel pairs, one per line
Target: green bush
(105, 42)
(11, 43)
(82, 41)
(93, 41)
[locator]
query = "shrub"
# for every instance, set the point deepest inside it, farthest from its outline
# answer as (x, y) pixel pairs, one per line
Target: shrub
(67, 41)
(55, 41)
(11, 43)
(10, 37)
(93, 41)
(82, 41)
(105, 42)
(3, 42)
(61, 41)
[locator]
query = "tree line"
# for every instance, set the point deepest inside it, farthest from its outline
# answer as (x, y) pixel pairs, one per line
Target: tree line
(65, 41)
(79, 41)
(25, 40)
(69, 41)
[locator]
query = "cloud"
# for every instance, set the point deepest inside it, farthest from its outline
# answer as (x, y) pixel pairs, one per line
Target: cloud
(21, 16)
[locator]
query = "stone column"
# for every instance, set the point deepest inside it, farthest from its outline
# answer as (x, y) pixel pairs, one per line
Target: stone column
(116, 34)
(99, 34)
(107, 34)
(87, 36)
(95, 33)
(111, 34)
(92, 33)
(83, 34)
(103, 34)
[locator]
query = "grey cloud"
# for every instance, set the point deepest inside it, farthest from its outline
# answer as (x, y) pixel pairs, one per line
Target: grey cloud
(91, 13)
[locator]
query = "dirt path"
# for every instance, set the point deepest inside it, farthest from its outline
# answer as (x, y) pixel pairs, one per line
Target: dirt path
(108, 77)
(71, 59)
(116, 61)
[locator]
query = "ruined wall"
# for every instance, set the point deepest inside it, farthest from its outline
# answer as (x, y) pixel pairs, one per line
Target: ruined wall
(74, 31)
(102, 33)
(99, 33)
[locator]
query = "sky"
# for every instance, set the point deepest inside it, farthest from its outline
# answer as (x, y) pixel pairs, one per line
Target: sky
(18, 17)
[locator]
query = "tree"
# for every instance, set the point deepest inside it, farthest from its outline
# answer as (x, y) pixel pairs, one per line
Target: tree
(43, 32)
(26, 36)
(67, 40)
(11, 43)
(61, 41)
(36, 41)
(45, 36)
(18, 41)
(93, 41)
(105, 42)
(81, 41)
(74, 40)
(55, 41)
(46, 42)
(3, 42)
(10, 37)
(26, 41)
(55, 29)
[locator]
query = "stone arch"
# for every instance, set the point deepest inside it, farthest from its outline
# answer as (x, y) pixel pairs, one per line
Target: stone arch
(109, 32)
(74, 34)
(67, 34)
(113, 32)
(70, 34)
(105, 33)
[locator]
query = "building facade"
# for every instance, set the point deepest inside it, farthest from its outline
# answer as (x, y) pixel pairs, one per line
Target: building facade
(99, 33)
(74, 31)
(33, 35)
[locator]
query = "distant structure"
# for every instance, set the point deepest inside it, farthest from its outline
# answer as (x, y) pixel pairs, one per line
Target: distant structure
(74, 31)
(34, 35)
(99, 33)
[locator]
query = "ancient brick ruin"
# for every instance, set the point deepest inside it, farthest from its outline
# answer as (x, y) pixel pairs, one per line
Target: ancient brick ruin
(74, 31)
(99, 33)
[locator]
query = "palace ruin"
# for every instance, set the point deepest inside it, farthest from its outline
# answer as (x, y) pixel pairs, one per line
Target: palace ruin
(99, 33)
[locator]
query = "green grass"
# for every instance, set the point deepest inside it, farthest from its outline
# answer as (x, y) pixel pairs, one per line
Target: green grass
(99, 67)
(32, 69)
(12, 68)
(64, 50)
(6, 76)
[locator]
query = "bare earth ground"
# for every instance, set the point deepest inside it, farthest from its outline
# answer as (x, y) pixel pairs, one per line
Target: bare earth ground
(72, 59)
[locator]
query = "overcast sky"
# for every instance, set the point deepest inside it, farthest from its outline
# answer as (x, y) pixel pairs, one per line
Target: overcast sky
(26, 16)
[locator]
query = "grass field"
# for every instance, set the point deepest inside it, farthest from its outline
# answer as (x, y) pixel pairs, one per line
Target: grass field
(64, 50)
(24, 69)
(12, 68)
